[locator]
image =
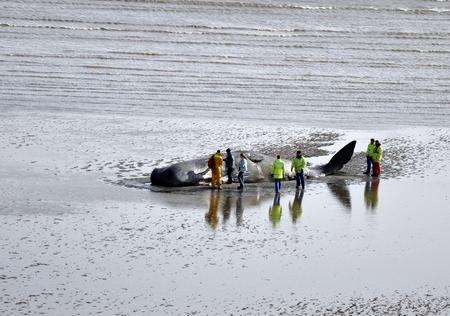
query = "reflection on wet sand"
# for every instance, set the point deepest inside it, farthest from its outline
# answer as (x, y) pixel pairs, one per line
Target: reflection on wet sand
(239, 210)
(211, 217)
(371, 193)
(222, 201)
(275, 210)
(340, 190)
(226, 210)
(295, 208)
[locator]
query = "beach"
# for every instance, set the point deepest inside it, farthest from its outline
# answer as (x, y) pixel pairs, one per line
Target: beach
(96, 94)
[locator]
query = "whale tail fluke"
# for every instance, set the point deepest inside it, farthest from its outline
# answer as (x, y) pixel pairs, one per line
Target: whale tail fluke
(342, 157)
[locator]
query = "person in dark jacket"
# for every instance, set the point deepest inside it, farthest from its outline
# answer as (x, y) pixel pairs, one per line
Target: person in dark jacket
(229, 165)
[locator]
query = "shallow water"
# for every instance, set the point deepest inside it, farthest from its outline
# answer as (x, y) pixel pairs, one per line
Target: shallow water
(121, 250)
(308, 62)
(97, 93)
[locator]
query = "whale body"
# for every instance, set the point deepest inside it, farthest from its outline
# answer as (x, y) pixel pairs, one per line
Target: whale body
(196, 171)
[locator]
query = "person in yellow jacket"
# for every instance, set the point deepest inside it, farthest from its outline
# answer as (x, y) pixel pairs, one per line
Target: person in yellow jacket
(298, 165)
(369, 155)
(278, 173)
(216, 170)
(376, 157)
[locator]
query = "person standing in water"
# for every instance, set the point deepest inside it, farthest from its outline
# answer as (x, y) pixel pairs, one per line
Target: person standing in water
(229, 165)
(216, 168)
(376, 157)
(298, 165)
(278, 173)
(369, 155)
(242, 170)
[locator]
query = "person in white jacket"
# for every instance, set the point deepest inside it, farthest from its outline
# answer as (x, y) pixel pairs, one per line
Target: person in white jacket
(242, 169)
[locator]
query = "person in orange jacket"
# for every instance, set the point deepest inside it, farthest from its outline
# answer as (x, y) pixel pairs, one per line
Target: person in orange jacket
(215, 164)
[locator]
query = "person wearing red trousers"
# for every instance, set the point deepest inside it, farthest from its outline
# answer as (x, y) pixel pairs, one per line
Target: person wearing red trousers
(376, 157)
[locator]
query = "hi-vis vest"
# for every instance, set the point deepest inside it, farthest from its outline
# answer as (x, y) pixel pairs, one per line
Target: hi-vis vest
(377, 154)
(299, 164)
(278, 169)
(370, 149)
(218, 161)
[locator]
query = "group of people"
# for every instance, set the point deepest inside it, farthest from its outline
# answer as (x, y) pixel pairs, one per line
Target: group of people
(374, 155)
(215, 163)
(298, 166)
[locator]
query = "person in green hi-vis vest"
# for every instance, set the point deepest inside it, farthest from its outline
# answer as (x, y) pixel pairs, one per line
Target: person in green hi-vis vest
(299, 165)
(377, 155)
(369, 155)
(278, 173)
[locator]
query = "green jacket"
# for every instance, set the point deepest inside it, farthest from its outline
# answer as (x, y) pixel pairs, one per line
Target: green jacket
(370, 149)
(298, 164)
(278, 169)
(377, 154)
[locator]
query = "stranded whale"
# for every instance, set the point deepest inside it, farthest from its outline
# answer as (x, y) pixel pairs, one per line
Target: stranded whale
(193, 172)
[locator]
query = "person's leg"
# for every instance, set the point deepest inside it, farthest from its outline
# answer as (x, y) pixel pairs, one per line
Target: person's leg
(302, 179)
(369, 163)
(241, 180)
(277, 185)
(297, 179)
(376, 169)
(230, 175)
(214, 179)
(219, 179)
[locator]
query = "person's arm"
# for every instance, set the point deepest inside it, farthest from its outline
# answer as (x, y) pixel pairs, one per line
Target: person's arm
(303, 163)
(292, 165)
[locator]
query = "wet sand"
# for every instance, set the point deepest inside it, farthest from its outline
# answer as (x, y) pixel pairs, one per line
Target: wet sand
(371, 247)
(97, 94)
(77, 244)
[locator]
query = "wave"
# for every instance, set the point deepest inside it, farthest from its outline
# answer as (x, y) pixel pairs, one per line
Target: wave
(204, 29)
(294, 6)
(273, 6)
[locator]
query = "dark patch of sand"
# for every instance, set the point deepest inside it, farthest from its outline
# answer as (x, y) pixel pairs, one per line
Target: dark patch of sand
(310, 145)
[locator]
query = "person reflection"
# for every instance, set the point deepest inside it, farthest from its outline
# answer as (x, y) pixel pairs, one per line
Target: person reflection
(295, 207)
(239, 210)
(371, 193)
(211, 217)
(226, 210)
(275, 210)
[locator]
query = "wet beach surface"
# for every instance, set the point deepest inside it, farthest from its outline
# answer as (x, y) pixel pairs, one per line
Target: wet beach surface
(97, 94)
(363, 247)
(80, 244)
